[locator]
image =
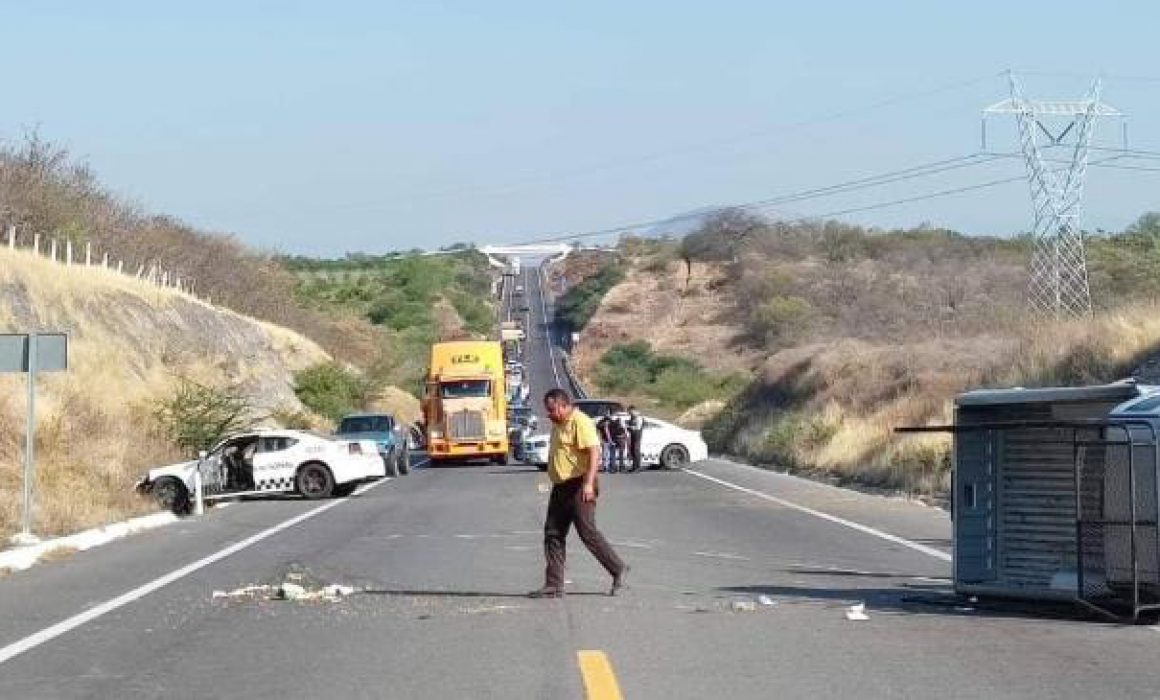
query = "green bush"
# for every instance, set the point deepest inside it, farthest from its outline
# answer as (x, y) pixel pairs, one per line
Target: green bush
(633, 368)
(331, 390)
(198, 415)
(780, 317)
(576, 306)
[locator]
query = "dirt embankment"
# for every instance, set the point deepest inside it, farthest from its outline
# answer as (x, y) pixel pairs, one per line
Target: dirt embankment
(130, 344)
(678, 312)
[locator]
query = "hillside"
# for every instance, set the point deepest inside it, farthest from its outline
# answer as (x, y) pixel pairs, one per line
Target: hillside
(843, 334)
(410, 300)
(131, 344)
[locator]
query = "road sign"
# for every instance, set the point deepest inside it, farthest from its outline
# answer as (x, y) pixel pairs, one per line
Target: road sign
(51, 352)
(31, 353)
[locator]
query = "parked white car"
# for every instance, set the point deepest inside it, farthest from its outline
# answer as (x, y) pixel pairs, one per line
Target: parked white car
(269, 461)
(662, 444)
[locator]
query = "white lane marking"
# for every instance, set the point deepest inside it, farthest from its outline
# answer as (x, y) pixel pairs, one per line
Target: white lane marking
(721, 555)
(929, 551)
(64, 626)
(547, 328)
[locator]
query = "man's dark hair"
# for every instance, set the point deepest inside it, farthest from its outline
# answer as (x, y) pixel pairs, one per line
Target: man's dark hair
(558, 395)
(632, 408)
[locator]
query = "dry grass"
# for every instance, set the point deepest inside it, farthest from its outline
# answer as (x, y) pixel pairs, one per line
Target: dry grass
(129, 343)
(834, 408)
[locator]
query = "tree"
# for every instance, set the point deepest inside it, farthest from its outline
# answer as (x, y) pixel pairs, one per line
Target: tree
(198, 415)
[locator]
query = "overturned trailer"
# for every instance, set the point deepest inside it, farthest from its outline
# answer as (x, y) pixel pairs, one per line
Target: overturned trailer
(1055, 495)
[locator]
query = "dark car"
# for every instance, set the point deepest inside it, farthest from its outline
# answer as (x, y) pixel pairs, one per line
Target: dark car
(391, 436)
(596, 407)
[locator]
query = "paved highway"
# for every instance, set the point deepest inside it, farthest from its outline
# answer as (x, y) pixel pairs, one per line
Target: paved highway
(440, 560)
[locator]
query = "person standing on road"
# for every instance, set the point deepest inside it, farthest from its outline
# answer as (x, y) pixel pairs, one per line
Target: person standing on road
(604, 430)
(635, 433)
(619, 429)
(573, 463)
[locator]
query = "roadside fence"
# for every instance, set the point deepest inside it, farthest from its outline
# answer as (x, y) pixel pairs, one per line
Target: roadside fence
(64, 252)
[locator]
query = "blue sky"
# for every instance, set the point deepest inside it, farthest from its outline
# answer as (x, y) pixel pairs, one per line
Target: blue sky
(332, 127)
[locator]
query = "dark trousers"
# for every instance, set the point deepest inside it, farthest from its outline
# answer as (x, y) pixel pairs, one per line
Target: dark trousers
(621, 448)
(565, 508)
(636, 436)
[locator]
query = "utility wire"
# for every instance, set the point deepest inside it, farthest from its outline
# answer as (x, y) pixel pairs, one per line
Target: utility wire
(515, 185)
(763, 204)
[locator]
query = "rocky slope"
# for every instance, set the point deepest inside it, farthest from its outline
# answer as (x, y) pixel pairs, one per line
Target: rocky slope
(130, 344)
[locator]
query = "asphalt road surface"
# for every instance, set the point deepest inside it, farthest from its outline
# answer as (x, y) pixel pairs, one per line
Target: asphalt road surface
(440, 560)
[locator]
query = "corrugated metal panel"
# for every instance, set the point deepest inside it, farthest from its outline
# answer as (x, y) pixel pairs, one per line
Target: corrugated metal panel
(466, 425)
(1037, 507)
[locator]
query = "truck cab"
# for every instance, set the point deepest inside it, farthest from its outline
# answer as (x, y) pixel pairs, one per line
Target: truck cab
(465, 402)
(389, 435)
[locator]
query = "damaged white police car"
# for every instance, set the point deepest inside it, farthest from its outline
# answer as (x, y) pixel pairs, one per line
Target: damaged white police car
(265, 462)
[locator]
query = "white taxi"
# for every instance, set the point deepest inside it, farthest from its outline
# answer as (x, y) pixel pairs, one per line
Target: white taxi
(269, 461)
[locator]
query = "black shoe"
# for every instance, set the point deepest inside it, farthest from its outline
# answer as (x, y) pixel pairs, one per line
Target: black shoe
(620, 580)
(547, 592)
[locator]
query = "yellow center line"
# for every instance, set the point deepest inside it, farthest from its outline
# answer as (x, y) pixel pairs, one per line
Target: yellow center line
(599, 680)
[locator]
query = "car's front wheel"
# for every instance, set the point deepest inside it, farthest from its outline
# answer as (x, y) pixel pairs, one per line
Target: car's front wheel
(315, 481)
(171, 494)
(391, 464)
(674, 457)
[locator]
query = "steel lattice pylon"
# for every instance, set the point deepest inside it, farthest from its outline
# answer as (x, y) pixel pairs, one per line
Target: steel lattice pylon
(1058, 285)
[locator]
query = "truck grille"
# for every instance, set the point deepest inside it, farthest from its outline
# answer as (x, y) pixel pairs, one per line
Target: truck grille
(466, 425)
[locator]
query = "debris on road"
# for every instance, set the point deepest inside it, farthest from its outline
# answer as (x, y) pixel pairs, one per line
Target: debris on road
(857, 612)
(288, 591)
(743, 606)
(766, 600)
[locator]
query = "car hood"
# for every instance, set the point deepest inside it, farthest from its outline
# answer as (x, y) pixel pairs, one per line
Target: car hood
(180, 470)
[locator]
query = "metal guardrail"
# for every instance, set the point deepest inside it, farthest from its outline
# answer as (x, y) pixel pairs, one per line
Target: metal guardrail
(578, 388)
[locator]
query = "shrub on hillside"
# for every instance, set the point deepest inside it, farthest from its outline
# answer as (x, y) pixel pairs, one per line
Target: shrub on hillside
(331, 390)
(780, 318)
(576, 306)
(199, 415)
(633, 368)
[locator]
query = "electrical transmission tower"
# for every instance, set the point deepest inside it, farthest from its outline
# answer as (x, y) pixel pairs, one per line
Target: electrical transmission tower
(1058, 285)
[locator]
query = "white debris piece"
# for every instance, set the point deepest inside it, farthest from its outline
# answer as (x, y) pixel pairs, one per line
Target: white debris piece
(336, 591)
(766, 600)
(291, 591)
(744, 606)
(857, 612)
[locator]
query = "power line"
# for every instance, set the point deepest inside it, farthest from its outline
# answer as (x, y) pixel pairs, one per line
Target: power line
(836, 115)
(763, 204)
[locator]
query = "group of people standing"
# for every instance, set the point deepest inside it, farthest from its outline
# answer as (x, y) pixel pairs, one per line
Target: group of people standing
(620, 440)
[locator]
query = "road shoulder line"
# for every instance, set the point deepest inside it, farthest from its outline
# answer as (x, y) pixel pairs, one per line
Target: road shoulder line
(866, 529)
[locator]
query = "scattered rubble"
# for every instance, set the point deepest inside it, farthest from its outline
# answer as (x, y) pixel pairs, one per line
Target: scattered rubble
(857, 612)
(743, 606)
(289, 590)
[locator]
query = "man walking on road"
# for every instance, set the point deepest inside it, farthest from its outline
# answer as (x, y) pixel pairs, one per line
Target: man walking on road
(573, 463)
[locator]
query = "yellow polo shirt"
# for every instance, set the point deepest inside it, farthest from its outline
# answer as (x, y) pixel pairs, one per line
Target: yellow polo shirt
(571, 440)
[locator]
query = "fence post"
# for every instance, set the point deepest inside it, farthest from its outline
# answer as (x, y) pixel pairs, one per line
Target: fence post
(36, 243)
(120, 267)
(88, 253)
(68, 252)
(12, 236)
(105, 261)
(52, 249)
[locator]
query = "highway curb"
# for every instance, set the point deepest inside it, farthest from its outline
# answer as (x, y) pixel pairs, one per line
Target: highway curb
(21, 558)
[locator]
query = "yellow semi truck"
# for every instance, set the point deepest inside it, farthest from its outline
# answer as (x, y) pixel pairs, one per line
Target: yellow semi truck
(464, 403)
